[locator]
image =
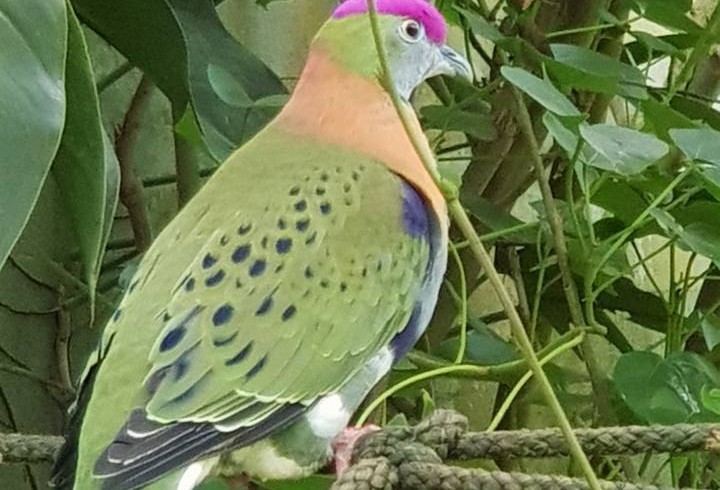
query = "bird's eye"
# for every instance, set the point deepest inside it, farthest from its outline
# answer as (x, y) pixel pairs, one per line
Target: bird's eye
(411, 30)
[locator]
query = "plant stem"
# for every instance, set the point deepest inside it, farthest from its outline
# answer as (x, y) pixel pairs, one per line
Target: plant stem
(526, 377)
(463, 222)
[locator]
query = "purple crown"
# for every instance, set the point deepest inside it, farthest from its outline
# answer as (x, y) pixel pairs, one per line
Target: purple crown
(420, 10)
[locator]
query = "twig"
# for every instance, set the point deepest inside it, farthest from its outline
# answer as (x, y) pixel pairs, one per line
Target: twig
(186, 165)
(463, 222)
(62, 344)
(131, 190)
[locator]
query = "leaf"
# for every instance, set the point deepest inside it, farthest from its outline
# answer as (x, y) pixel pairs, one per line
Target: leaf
(541, 91)
(497, 219)
(626, 151)
(710, 324)
(80, 165)
(659, 119)
(696, 226)
(32, 102)
(193, 58)
(668, 13)
(585, 69)
(698, 144)
(483, 347)
(664, 391)
(455, 118)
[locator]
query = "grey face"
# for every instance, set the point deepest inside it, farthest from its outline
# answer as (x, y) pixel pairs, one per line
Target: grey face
(415, 58)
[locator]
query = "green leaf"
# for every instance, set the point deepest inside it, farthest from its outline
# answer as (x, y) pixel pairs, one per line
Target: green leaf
(698, 144)
(664, 391)
(483, 347)
(193, 58)
(32, 104)
(625, 151)
(585, 69)
(668, 13)
(455, 118)
(710, 324)
(541, 90)
(213, 484)
(497, 219)
(696, 226)
(659, 119)
(80, 166)
(711, 399)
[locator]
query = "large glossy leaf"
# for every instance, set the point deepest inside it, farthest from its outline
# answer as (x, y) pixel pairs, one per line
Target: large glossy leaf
(184, 48)
(543, 91)
(227, 83)
(80, 165)
(584, 69)
(32, 106)
(665, 391)
(625, 151)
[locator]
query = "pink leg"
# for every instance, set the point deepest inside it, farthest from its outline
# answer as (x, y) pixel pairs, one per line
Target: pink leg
(344, 444)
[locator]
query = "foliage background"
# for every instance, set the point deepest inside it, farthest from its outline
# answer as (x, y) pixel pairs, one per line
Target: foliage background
(143, 98)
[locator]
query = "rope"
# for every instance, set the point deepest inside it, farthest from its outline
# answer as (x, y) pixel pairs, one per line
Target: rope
(399, 458)
(19, 448)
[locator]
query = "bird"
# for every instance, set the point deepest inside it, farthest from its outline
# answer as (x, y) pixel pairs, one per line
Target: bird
(268, 308)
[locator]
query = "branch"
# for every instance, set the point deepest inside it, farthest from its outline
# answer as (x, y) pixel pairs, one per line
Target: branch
(131, 189)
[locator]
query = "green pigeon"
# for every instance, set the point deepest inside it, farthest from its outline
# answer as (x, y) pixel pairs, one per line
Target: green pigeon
(265, 312)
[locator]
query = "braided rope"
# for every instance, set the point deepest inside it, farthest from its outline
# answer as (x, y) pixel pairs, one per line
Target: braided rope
(19, 448)
(399, 458)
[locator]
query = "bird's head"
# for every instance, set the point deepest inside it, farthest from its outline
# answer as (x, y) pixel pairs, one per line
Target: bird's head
(415, 35)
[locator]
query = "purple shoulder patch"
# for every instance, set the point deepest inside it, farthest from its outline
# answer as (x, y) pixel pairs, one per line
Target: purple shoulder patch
(421, 10)
(414, 214)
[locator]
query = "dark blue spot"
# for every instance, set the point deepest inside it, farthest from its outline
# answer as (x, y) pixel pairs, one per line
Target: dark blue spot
(172, 338)
(208, 261)
(289, 313)
(301, 205)
(225, 340)
(283, 245)
(222, 315)
(244, 229)
(308, 272)
(294, 190)
(257, 268)
(153, 382)
(240, 356)
(116, 315)
(190, 284)
(256, 368)
(180, 368)
(215, 279)
(281, 224)
(325, 208)
(265, 306)
(241, 253)
(320, 191)
(406, 338)
(311, 238)
(302, 225)
(414, 214)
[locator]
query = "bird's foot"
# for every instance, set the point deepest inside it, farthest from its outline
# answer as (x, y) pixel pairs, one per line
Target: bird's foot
(344, 444)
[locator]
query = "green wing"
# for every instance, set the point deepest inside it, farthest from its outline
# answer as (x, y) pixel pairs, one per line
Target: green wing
(276, 284)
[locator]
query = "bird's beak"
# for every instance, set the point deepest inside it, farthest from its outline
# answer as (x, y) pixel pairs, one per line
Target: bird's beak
(450, 62)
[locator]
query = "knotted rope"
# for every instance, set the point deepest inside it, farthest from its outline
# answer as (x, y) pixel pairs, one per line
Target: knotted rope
(399, 458)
